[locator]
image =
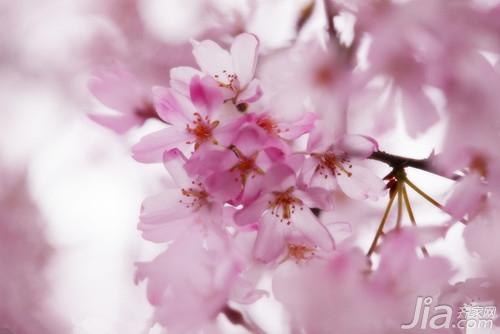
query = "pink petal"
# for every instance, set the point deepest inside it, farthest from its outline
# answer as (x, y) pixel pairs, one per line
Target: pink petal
(308, 170)
(362, 184)
(174, 161)
(212, 59)
(244, 54)
(181, 76)
(252, 213)
(172, 107)
(305, 222)
(419, 112)
(118, 123)
(251, 93)
(316, 197)
(425, 235)
(270, 241)
(466, 197)
(224, 186)
(150, 148)
(116, 89)
(279, 177)
(296, 129)
(358, 146)
(244, 292)
(205, 94)
(166, 231)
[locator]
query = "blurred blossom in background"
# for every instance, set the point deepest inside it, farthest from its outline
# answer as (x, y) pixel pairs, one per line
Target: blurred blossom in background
(70, 193)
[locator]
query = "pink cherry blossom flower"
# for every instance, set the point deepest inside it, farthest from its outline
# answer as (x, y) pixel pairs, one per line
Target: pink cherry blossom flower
(320, 295)
(481, 240)
(337, 164)
(247, 158)
(233, 71)
(343, 282)
(119, 90)
(278, 125)
(308, 76)
(192, 202)
(283, 217)
(194, 121)
(190, 297)
(467, 196)
(403, 73)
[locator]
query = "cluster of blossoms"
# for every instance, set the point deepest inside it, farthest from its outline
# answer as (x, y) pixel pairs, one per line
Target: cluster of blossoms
(262, 146)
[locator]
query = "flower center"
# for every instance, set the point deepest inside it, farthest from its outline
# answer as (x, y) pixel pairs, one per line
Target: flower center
(284, 205)
(329, 163)
(245, 165)
(195, 198)
(300, 252)
(324, 75)
(229, 81)
(201, 128)
(269, 125)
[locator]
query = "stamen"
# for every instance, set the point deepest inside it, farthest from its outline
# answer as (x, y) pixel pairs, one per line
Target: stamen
(333, 164)
(201, 129)
(269, 125)
(287, 203)
(300, 252)
(195, 198)
(245, 165)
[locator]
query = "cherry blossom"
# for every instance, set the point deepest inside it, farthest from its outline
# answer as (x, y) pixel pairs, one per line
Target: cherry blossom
(192, 201)
(283, 215)
(193, 121)
(338, 165)
(120, 90)
(190, 298)
(233, 70)
(273, 151)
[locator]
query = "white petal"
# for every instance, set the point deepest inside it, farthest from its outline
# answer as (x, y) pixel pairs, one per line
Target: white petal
(244, 54)
(212, 58)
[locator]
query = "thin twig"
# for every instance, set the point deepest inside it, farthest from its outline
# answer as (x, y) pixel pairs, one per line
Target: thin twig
(400, 204)
(412, 217)
(381, 225)
(424, 195)
(431, 200)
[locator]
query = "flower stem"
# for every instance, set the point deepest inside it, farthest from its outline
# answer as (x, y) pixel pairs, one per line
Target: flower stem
(399, 188)
(424, 195)
(432, 200)
(381, 225)
(237, 318)
(411, 215)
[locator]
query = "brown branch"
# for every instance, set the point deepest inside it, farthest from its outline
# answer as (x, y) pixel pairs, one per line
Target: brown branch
(398, 162)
